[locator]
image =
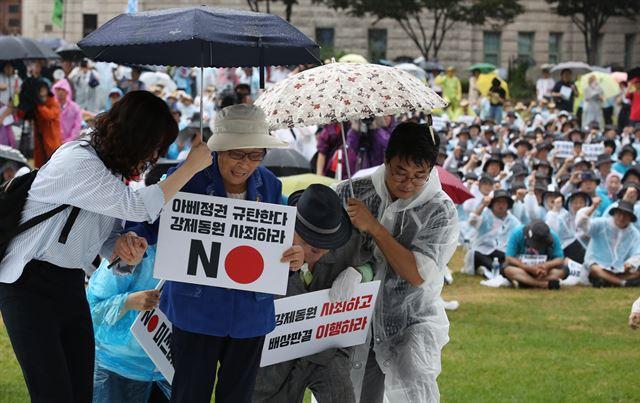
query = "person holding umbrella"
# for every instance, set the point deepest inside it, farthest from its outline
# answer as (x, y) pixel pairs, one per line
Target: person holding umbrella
(42, 284)
(564, 91)
(409, 228)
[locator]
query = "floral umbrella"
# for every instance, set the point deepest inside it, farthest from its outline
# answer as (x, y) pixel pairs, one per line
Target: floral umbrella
(339, 92)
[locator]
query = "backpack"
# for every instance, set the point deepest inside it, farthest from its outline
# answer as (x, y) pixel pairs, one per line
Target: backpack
(13, 196)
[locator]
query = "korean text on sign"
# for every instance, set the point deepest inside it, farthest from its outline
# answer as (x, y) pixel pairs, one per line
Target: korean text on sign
(153, 331)
(225, 242)
(310, 323)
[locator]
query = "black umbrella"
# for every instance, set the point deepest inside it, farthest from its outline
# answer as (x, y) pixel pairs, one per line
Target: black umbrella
(22, 48)
(200, 37)
(71, 52)
(8, 154)
(286, 162)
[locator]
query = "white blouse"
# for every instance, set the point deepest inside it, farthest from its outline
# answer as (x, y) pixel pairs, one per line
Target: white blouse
(75, 175)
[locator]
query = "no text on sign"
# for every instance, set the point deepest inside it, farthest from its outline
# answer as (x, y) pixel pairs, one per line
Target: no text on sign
(225, 242)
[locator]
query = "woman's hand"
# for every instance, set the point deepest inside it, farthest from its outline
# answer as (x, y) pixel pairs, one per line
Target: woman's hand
(199, 156)
(129, 248)
(142, 300)
(295, 256)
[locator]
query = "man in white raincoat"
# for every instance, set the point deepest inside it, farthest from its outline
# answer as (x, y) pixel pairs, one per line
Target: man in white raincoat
(408, 230)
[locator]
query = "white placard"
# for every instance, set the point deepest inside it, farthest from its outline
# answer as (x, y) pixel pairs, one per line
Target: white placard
(223, 242)
(532, 260)
(565, 92)
(563, 149)
(153, 331)
(591, 151)
(309, 323)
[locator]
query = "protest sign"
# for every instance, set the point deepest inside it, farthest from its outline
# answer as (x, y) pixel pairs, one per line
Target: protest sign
(223, 242)
(563, 149)
(309, 323)
(591, 151)
(533, 260)
(153, 331)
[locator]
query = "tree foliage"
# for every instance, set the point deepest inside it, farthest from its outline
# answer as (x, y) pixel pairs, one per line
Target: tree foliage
(427, 22)
(590, 16)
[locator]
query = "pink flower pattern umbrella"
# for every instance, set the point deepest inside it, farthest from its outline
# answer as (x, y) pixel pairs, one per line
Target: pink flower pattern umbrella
(339, 92)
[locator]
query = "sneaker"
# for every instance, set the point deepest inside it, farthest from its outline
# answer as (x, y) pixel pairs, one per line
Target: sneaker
(485, 272)
(570, 281)
(451, 305)
(554, 284)
(597, 282)
(496, 282)
(448, 276)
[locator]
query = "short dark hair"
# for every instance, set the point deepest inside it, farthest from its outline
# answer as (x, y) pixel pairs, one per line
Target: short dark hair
(413, 142)
(137, 126)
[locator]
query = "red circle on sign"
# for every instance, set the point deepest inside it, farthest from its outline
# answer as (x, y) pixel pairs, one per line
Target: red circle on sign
(244, 264)
(153, 322)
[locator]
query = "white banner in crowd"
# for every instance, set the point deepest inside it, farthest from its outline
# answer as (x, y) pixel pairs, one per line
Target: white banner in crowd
(591, 151)
(223, 242)
(153, 330)
(309, 323)
(563, 149)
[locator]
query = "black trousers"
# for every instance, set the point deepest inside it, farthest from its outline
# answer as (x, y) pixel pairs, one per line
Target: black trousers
(575, 251)
(195, 360)
(487, 260)
(49, 324)
(608, 115)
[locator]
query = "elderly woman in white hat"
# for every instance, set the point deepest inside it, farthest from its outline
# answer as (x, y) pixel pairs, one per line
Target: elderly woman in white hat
(214, 325)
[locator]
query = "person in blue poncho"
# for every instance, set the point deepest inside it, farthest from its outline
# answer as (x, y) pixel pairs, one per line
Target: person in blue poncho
(123, 371)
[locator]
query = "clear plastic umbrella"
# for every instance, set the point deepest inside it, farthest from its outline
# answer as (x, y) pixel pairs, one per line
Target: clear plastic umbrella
(574, 66)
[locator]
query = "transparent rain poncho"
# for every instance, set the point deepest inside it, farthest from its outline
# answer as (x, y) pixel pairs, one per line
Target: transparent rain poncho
(609, 246)
(116, 348)
(410, 326)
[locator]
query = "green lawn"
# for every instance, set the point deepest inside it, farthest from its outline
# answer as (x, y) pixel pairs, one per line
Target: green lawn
(511, 346)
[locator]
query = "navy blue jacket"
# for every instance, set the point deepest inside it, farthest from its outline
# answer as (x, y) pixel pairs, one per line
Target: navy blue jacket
(219, 311)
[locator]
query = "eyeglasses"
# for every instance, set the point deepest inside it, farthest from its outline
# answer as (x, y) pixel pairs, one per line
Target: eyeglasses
(401, 178)
(254, 156)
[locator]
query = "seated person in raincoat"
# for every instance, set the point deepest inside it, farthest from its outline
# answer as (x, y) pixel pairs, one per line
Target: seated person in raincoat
(408, 229)
(534, 257)
(481, 189)
(322, 225)
(494, 224)
(562, 221)
(123, 371)
(613, 253)
(215, 325)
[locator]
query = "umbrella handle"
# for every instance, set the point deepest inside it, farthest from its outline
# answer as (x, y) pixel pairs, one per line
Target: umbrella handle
(346, 159)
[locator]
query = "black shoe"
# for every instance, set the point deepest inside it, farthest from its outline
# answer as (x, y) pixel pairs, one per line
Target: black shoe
(597, 282)
(633, 283)
(554, 284)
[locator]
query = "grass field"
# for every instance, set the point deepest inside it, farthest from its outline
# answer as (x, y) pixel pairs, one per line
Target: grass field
(511, 346)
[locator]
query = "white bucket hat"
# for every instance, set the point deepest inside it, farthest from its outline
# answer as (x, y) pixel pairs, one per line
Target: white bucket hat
(242, 126)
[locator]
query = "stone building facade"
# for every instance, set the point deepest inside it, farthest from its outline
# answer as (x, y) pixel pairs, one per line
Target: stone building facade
(538, 33)
(10, 17)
